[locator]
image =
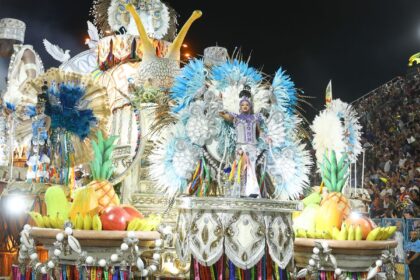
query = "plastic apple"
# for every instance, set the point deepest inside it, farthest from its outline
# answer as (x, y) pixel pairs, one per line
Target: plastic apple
(133, 212)
(114, 218)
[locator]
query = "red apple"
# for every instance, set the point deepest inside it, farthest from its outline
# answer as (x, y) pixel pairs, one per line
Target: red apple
(133, 212)
(114, 218)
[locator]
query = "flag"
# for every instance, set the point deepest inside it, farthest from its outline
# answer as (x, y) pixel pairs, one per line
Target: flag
(328, 95)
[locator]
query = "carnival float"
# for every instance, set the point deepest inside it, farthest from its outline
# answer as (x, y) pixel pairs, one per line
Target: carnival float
(152, 170)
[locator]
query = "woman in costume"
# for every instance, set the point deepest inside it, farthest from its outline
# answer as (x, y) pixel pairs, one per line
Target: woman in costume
(247, 127)
(39, 160)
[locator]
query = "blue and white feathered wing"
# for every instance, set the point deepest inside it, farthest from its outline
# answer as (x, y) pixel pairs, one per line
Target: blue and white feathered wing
(288, 162)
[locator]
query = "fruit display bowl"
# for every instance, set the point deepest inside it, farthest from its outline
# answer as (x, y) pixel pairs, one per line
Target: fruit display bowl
(92, 238)
(351, 256)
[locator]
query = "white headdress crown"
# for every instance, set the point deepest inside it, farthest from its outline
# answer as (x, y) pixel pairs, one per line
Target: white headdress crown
(13, 29)
(214, 56)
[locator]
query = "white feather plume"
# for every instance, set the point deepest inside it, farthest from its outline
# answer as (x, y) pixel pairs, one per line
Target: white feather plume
(328, 134)
(93, 35)
(230, 97)
(352, 128)
(56, 52)
(172, 167)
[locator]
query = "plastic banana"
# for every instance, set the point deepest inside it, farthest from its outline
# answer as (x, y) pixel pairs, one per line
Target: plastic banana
(335, 233)
(326, 235)
(79, 221)
(391, 231)
(87, 222)
(47, 222)
(133, 224)
(359, 233)
(382, 234)
(373, 234)
(96, 223)
(37, 218)
(352, 233)
(60, 223)
(54, 221)
(311, 234)
(343, 233)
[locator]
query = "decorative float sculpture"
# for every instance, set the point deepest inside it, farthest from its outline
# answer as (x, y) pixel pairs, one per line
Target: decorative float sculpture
(226, 128)
(95, 206)
(354, 239)
(130, 55)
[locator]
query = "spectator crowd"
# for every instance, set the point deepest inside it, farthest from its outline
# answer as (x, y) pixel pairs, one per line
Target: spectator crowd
(390, 117)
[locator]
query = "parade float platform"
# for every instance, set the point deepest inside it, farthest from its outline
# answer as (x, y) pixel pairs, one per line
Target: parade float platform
(99, 244)
(351, 256)
(242, 229)
(93, 239)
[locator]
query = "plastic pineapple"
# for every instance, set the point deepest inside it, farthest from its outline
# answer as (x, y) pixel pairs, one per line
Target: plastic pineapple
(335, 207)
(102, 169)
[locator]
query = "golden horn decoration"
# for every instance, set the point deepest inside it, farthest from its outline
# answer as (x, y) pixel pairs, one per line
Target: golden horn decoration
(148, 49)
(174, 51)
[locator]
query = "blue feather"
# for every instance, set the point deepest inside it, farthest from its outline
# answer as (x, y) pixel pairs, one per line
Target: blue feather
(30, 111)
(233, 73)
(285, 92)
(187, 84)
(65, 114)
(10, 106)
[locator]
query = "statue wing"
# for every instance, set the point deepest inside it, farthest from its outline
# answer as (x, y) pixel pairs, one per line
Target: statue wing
(56, 52)
(93, 35)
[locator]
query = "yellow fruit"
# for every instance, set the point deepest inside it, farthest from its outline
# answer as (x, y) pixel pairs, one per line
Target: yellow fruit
(105, 193)
(56, 202)
(383, 234)
(60, 223)
(335, 233)
(134, 224)
(319, 235)
(96, 223)
(326, 235)
(300, 233)
(359, 233)
(391, 231)
(79, 221)
(343, 233)
(152, 222)
(373, 234)
(296, 214)
(311, 234)
(87, 222)
(334, 209)
(47, 222)
(306, 219)
(352, 233)
(85, 202)
(54, 221)
(37, 218)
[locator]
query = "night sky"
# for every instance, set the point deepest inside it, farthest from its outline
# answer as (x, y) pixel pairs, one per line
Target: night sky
(358, 44)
